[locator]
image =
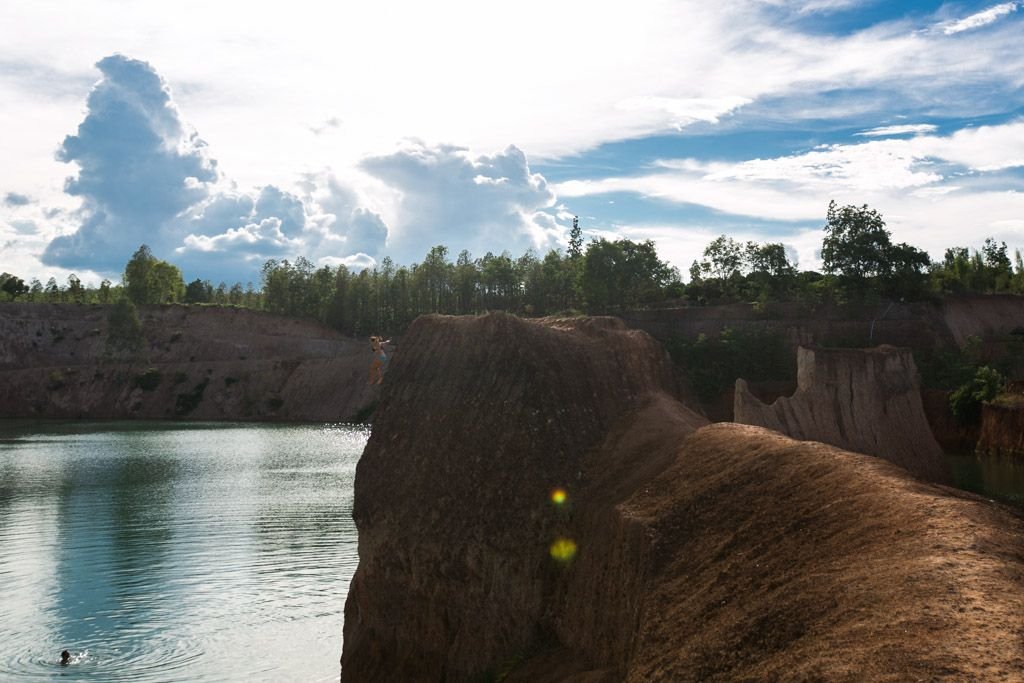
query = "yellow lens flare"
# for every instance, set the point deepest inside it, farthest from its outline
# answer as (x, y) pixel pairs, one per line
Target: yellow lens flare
(563, 549)
(559, 496)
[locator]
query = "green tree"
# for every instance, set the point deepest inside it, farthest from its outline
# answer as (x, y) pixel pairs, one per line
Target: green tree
(13, 286)
(124, 329)
(199, 292)
(52, 291)
(623, 273)
(966, 401)
(575, 250)
(148, 280)
(104, 295)
(907, 267)
(856, 244)
(76, 291)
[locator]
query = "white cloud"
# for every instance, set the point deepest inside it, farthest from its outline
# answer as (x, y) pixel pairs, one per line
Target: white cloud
(908, 180)
(779, 188)
(985, 148)
(978, 19)
(355, 262)
(283, 93)
(448, 195)
(902, 129)
(680, 112)
(457, 71)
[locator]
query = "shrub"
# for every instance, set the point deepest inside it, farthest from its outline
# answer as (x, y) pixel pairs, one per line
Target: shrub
(966, 401)
(124, 329)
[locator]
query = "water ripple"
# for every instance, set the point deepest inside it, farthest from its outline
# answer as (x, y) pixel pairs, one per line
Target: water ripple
(187, 553)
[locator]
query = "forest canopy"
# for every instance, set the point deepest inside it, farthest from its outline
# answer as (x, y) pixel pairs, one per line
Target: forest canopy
(860, 263)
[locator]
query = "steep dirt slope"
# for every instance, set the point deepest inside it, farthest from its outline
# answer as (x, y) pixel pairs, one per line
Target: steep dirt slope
(210, 363)
(784, 560)
(479, 421)
(726, 552)
(864, 400)
(988, 316)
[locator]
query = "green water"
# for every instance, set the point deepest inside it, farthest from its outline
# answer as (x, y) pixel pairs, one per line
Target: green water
(999, 479)
(175, 552)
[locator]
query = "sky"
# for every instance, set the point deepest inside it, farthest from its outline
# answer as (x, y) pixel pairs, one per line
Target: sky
(225, 134)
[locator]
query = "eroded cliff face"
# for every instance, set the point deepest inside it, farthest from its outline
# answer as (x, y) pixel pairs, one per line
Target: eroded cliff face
(867, 401)
(210, 363)
(480, 420)
(1002, 429)
(722, 552)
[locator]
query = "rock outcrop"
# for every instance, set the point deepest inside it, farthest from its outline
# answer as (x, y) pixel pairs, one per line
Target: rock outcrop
(197, 362)
(867, 401)
(535, 504)
(1002, 429)
(480, 420)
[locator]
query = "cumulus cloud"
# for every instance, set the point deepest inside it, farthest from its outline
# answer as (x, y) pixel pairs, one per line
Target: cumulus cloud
(978, 19)
(146, 177)
(448, 195)
(139, 168)
(232, 234)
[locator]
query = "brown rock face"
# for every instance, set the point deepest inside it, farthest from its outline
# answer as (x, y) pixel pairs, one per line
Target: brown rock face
(210, 364)
(867, 401)
(479, 421)
(1002, 429)
(725, 552)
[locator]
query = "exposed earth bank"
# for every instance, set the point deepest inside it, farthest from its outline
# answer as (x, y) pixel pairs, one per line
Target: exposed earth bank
(863, 400)
(197, 363)
(920, 325)
(1002, 429)
(680, 552)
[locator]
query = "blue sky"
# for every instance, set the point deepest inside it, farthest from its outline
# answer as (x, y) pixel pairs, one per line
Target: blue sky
(223, 136)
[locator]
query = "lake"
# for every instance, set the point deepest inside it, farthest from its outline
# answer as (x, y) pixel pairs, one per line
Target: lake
(174, 551)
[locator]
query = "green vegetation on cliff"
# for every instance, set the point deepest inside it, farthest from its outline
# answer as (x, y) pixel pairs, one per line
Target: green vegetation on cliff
(861, 264)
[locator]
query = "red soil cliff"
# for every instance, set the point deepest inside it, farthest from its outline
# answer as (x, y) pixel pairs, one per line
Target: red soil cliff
(1002, 428)
(867, 401)
(211, 363)
(726, 552)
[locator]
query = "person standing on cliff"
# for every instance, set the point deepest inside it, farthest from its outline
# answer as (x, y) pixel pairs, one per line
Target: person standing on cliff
(380, 360)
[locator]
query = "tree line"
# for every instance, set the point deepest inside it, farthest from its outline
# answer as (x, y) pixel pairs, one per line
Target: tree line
(860, 262)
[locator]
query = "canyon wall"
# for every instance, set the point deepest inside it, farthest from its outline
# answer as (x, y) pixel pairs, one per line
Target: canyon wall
(1002, 429)
(867, 401)
(536, 503)
(196, 362)
(920, 325)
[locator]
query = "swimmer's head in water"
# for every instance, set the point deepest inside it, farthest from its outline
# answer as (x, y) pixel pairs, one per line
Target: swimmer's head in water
(65, 658)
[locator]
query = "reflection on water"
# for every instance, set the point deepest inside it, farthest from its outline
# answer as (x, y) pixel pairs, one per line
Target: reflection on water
(175, 551)
(998, 478)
